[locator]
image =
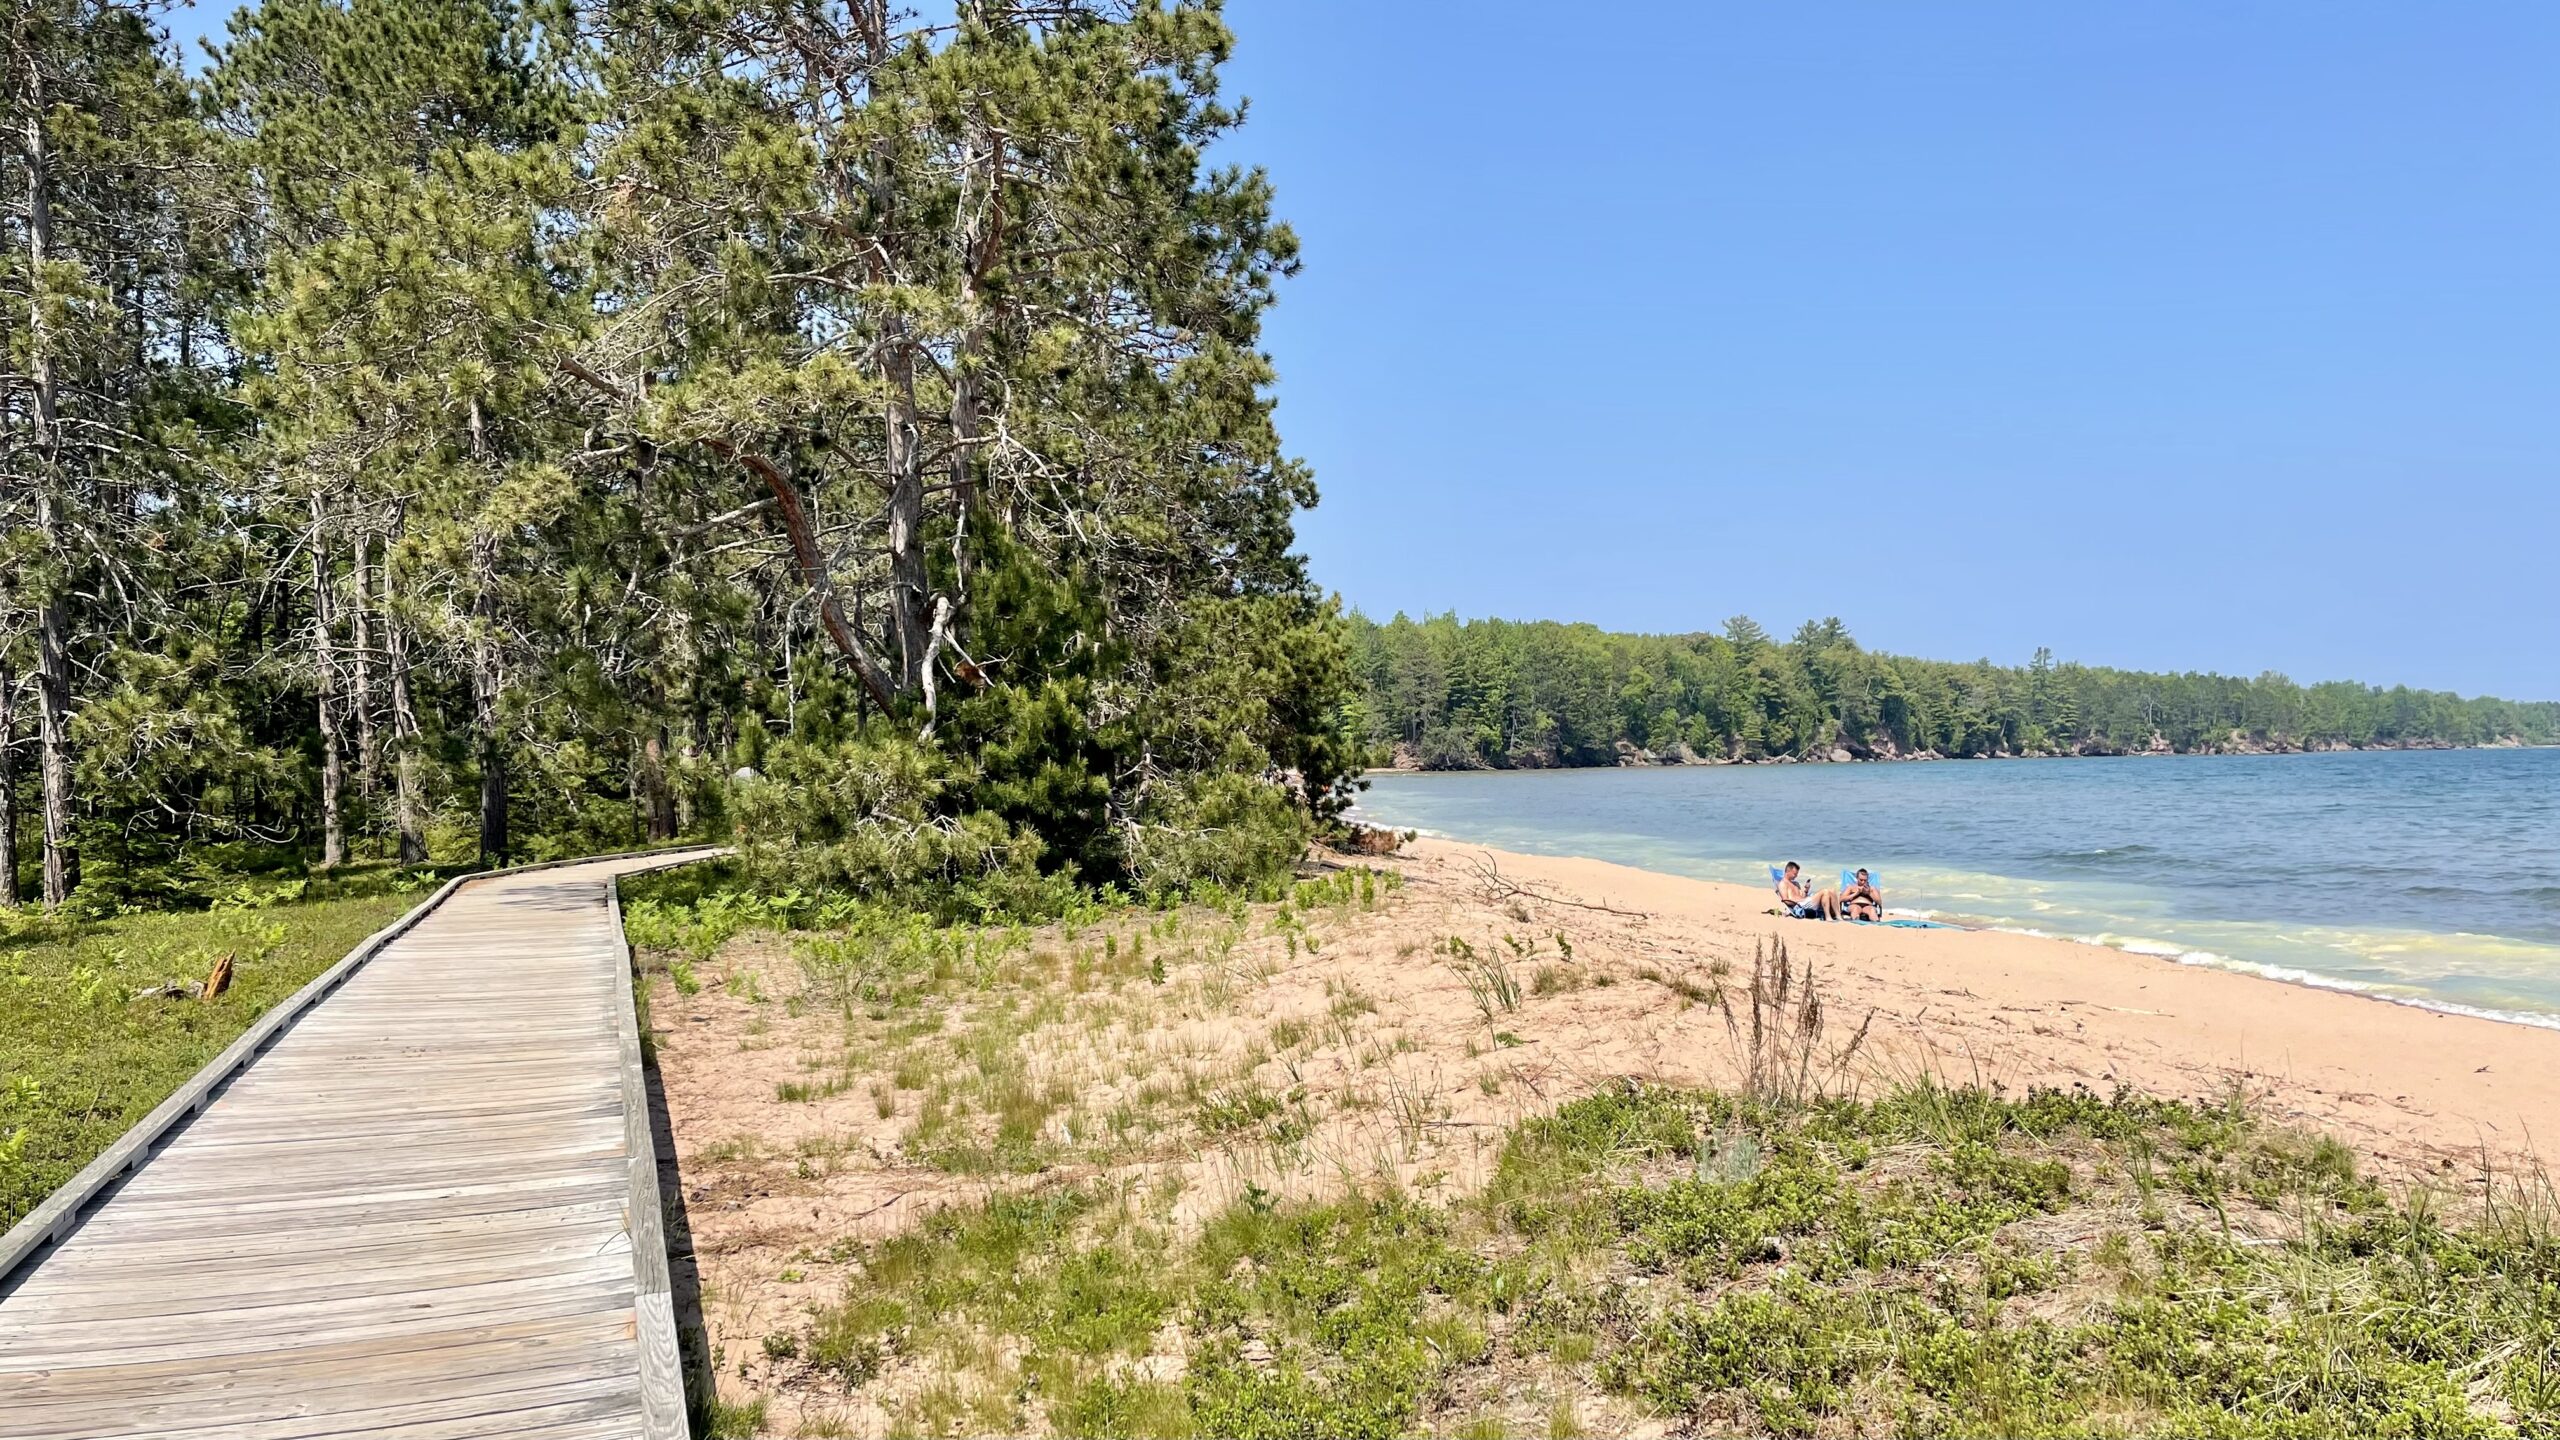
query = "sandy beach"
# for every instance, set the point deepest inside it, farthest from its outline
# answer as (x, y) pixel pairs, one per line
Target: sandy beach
(1354, 1040)
(2412, 1089)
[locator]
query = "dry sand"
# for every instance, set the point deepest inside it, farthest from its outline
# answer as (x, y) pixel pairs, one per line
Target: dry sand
(1358, 1023)
(2411, 1089)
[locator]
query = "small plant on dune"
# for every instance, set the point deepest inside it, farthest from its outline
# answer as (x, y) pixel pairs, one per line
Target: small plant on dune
(1413, 1107)
(1779, 1043)
(1490, 984)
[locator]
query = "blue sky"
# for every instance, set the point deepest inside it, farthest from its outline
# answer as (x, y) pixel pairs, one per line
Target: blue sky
(2169, 335)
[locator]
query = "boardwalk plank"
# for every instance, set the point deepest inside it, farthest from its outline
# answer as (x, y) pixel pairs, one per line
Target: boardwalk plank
(500, 1374)
(530, 1344)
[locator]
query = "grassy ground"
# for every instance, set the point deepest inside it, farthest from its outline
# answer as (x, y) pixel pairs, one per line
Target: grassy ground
(82, 1059)
(1934, 1263)
(1767, 1260)
(1110, 1037)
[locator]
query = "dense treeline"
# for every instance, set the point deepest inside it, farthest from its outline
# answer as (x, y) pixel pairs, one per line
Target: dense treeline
(453, 428)
(1447, 694)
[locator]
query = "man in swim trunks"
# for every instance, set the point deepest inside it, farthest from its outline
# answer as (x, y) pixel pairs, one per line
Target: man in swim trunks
(1802, 903)
(1862, 901)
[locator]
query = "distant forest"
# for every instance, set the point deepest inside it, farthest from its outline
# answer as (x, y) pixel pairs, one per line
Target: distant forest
(1447, 694)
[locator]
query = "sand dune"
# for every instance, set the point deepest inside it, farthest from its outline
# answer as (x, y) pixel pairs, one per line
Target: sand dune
(1352, 1042)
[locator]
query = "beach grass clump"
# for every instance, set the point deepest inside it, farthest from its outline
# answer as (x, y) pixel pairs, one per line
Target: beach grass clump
(97, 1024)
(1935, 1261)
(1781, 1033)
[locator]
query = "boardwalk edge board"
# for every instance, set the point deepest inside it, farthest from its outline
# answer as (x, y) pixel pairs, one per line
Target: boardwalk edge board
(61, 1212)
(662, 1403)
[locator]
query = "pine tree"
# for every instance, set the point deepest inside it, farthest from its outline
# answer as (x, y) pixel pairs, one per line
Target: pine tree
(404, 152)
(96, 284)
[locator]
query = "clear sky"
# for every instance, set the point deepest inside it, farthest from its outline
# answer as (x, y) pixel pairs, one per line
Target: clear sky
(2172, 335)
(2169, 335)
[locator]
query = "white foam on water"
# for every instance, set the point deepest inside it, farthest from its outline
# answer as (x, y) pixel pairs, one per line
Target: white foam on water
(1357, 816)
(2286, 974)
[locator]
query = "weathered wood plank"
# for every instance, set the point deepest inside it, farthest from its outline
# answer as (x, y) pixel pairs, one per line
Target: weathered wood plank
(528, 1343)
(63, 1330)
(140, 1343)
(470, 1379)
(661, 1363)
(348, 1244)
(181, 1280)
(180, 1292)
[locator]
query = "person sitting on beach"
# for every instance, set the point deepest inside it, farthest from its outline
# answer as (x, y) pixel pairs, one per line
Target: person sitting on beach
(1803, 903)
(1862, 901)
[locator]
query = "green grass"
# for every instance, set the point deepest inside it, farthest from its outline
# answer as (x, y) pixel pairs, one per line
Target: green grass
(1935, 1263)
(81, 1060)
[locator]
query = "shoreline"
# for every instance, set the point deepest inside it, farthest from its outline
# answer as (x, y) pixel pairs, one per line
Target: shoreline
(2266, 970)
(2274, 972)
(2418, 1086)
(2407, 947)
(1650, 760)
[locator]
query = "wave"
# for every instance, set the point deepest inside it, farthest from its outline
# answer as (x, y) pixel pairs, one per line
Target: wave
(2100, 857)
(1353, 814)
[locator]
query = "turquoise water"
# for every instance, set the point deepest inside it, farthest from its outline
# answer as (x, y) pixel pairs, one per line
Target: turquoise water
(2423, 876)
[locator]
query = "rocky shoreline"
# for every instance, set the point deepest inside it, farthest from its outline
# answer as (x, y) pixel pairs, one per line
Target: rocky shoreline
(1406, 759)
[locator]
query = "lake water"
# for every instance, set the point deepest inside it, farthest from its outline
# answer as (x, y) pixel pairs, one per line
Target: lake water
(2430, 877)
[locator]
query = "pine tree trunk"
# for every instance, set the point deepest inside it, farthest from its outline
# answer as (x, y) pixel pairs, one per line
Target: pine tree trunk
(658, 802)
(408, 811)
(53, 658)
(368, 746)
(485, 678)
(53, 740)
(485, 681)
(333, 764)
(909, 585)
(8, 785)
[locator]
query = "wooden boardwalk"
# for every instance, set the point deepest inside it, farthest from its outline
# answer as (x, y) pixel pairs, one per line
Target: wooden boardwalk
(427, 1210)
